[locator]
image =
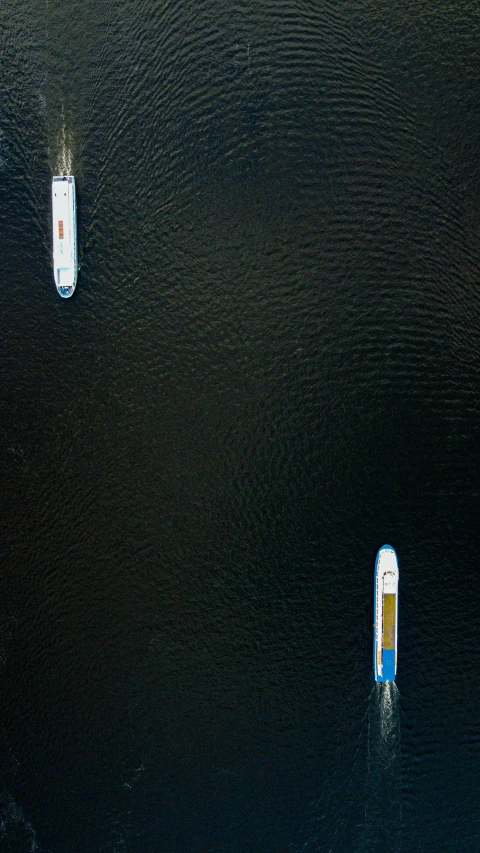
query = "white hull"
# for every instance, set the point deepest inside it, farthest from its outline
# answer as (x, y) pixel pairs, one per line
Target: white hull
(64, 217)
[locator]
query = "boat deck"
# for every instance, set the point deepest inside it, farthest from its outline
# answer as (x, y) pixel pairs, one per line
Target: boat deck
(389, 616)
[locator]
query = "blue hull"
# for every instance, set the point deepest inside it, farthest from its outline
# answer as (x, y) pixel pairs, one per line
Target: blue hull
(388, 656)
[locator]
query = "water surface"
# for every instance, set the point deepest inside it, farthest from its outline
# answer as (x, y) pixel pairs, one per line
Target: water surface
(268, 370)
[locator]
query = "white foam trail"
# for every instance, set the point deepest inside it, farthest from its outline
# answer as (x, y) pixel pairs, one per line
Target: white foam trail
(383, 808)
(16, 832)
(64, 156)
(61, 148)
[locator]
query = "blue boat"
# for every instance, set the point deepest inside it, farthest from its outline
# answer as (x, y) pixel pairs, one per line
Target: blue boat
(385, 627)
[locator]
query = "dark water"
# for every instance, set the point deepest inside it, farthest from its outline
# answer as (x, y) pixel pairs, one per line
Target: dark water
(269, 369)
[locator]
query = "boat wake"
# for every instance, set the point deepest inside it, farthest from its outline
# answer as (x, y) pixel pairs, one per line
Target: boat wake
(63, 157)
(383, 809)
(16, 831)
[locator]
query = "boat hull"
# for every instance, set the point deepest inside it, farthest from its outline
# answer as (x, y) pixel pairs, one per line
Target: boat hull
(385, 632)
(64, 219)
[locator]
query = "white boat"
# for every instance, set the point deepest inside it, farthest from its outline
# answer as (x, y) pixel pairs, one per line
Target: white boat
(386, 614)
(64, 216)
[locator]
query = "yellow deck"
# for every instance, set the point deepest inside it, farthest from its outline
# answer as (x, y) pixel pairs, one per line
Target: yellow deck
(389, 614)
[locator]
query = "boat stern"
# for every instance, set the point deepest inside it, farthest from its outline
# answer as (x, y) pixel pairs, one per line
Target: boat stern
(65, 279)
(388, 666)
(65, 291)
